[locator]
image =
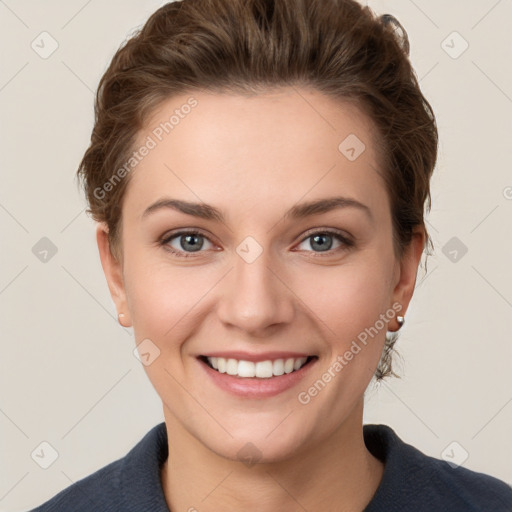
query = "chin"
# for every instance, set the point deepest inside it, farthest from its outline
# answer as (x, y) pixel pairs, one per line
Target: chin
(248, 452)
(260, 442)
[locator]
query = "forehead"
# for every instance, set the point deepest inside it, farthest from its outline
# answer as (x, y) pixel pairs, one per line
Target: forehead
(280, 145)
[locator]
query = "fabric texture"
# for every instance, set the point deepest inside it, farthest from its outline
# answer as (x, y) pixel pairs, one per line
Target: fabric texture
(412, 481)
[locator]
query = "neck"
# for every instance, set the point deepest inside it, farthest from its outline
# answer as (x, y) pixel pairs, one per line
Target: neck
(339, 474)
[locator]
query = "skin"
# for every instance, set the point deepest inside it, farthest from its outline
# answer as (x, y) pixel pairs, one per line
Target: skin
(254, 158)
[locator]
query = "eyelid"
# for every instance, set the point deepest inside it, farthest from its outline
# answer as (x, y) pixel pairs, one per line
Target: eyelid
(166, 239)
(328, 231)
(183, 231)
(346, 240)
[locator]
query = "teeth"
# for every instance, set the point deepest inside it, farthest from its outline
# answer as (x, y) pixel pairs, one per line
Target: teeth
(261, 369)
(264, 369)
(288, 366)
(245, 369)
(232, 367)
(296, 364)
(278, 367)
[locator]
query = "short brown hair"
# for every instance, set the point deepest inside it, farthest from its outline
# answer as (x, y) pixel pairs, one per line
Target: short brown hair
(337, 47)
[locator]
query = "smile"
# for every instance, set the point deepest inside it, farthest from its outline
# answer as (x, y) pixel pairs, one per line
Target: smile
(261, 369)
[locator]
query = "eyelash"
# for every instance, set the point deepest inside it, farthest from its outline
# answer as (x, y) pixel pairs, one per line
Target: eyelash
(182, 254)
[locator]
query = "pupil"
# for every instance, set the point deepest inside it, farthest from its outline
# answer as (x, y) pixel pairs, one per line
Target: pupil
(323, 246)
(189, 239)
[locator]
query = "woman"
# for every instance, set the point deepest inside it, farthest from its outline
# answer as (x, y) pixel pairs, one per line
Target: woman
(259, 172)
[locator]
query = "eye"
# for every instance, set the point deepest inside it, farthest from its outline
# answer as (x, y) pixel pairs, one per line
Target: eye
(323, 241)
(185, 243)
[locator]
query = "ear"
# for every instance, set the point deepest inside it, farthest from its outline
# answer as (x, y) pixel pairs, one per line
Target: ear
(113, 270)
(407, 270)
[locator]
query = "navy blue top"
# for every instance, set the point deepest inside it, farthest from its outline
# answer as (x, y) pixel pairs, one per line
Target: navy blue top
(412, 481)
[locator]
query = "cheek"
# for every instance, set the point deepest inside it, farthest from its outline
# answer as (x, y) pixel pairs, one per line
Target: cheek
(348, 302)
(164, 304)
(346, 299)
(162, 297)
(168, 301)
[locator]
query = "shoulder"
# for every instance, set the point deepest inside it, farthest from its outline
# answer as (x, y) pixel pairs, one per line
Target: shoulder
(129, 483)
(414, 479)
(459, 488)
(98, 491)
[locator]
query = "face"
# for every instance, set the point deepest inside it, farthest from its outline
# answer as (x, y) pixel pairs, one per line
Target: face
(262, 276)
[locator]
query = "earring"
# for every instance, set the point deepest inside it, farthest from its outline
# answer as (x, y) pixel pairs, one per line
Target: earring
(120, 316)
(401, 321)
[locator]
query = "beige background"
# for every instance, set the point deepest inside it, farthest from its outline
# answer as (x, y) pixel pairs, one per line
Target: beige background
(68, 375)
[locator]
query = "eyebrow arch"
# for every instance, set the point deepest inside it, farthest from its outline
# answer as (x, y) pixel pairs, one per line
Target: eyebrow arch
(208, 212)
(326, 205)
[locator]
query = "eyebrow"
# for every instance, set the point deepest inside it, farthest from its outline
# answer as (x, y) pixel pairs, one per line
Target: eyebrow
(208, 212)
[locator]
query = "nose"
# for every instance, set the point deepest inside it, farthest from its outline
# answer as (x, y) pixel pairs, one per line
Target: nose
(255, 297)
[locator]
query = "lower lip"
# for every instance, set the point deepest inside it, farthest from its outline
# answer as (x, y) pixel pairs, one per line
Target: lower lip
(253, 387)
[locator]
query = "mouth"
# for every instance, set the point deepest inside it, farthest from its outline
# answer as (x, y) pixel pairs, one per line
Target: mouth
(266, 369)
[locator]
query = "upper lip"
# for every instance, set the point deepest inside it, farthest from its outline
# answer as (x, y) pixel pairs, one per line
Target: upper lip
(261, 356)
